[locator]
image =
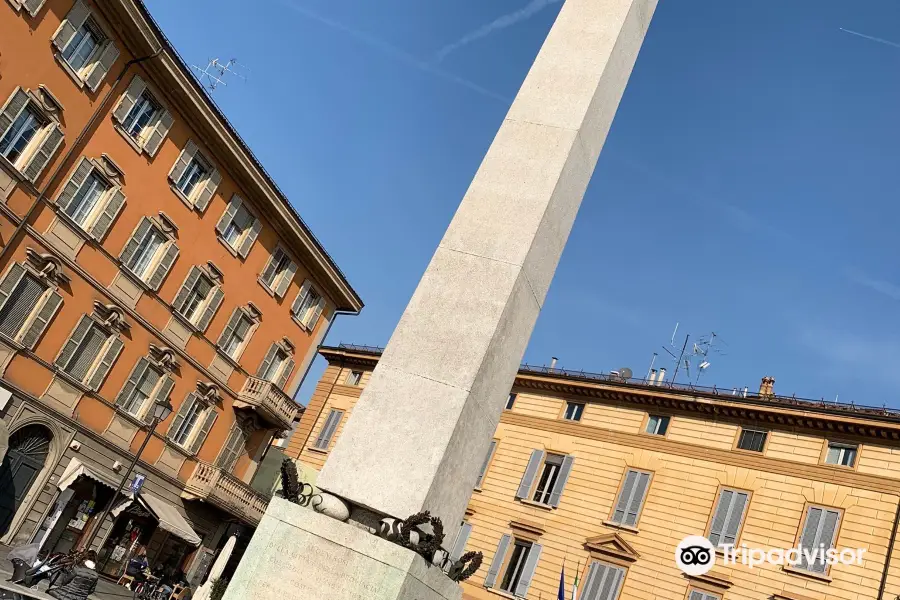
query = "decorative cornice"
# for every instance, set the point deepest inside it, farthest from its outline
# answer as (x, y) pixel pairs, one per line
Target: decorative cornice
(111, 316)
(110, 168)
(612, 544)
(164, 357)
(527, 526)
(168, 225)
(712, 579)
(47, 266)
(208, 393)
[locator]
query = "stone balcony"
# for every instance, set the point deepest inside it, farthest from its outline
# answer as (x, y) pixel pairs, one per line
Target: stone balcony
(268, 401)
(210, 484)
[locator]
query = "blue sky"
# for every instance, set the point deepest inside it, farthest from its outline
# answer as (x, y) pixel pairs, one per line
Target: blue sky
(749, 184)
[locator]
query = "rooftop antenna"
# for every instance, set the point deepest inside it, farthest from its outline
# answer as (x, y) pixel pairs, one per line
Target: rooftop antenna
(696, 357)
(215, 72)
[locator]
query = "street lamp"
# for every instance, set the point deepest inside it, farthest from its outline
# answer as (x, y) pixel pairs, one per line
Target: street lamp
(161, 411)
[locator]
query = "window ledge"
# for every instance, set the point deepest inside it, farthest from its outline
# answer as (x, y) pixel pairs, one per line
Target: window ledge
(13, 344)
(227, 246)
(804, 573)
(72, 381)
(130, 417)
(180, 194)
(838, 467)
(76, 78)
(78, 229)
(178, 447)
(13, 169)
(503, 594)
(184, 321)
(134, 278)
(620, 526)
(540, 505)
(302, 325)
(317, 450)
(130, 140)
(228, 359)
(269, 290)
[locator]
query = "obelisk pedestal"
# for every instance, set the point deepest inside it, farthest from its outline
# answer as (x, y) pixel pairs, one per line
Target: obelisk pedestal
(422, 427)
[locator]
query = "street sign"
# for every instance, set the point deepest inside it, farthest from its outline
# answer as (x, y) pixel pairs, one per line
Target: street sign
(137, 482)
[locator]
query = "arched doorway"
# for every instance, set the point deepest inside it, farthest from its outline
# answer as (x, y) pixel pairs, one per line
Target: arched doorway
(28, 450)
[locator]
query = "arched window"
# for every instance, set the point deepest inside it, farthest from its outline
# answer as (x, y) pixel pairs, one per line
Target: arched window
(28, 450)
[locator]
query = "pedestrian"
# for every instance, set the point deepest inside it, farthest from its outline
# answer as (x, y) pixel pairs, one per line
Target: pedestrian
(80, 582)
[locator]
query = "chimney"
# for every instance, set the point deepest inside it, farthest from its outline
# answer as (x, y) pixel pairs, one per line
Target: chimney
(662, 376)
(652, 378)
(553, 360)
(767, 387)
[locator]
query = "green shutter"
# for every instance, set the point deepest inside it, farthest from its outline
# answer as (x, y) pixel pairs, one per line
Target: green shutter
(75, 182)
(164, 266)
(229, 329)
(113, 349)
(76, 337)
(215, 300)
(42, 320)
(182, 162)
(229, 213)
(186, 287)
(267, 361)
(49, 145)
(136, 373)
(13, 277)
(110, 212)
(132, 245)
(182, 413)
(131, 95)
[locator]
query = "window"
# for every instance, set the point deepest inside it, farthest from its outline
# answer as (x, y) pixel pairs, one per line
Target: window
(550, 472)
(239, 225)
(31, 6)
(85, 45)
(277, 365)
(574, 410)
(819, 533)
(603, 582)
(20, 134)
(27, 305)
(459, 546)
(90, 199)
(28, 136)
(198, 299)
(510, 401)
(196, 172)
(486, 464)
(193, 177)
(189, 418)
(146, 385)
(657, 425)
(192, 423)
(354, 377)
(87, 198)
(143, 390)
(279, 272)
(752, 439)
(87, 53)
(89, 353)
(727, 518)
(236, 334)
(149, 254)
(513, 565)
(148, 247)
(631, 498)
(841, 454)
(703, 595)
(308, 306)
(232, 450)
(141, 116)
(238, 228)
(328, 429)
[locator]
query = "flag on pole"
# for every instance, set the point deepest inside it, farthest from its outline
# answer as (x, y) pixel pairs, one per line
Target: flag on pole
(575, 585)
(562, 582)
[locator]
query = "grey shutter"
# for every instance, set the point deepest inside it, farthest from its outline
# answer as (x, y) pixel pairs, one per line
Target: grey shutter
(461, 539)
(484, 465)
(136, 373)
(268, 274)
(561, 480)
(818, 534)
(328, 429)
(206, 194)
(251, 236)
(301, 296)
(33, 6)
(73, 21)
(228, 216)
(107, 59)
(826, 536)
(159, 133)
(316, 314)
(695, 595)
(41, 320)
(637, 499)
(76, 337)
(267, 360)
(212, 306)
(286, 279)
(717, 526)
(624, 497)
(534, 555)
(231, 450)
(11, 109)
(499, 557)
(182, 413)
(603, 582)
(190, 281)
(229, 328)
(537, 457)
(132, 245)
(163, 391)
(75, 182)
(734, 518)
(164, 266)
(12, 279)
(44, 153)
(131, 95)
(106, 363)
(184, 159)
(286, 371)
(110, 212)
(208, 421)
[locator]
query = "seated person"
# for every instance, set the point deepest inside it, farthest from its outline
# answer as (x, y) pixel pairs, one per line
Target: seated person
(137, 567)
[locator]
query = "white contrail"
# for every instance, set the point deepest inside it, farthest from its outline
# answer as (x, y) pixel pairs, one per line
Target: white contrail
(871, 38)
(533, 7)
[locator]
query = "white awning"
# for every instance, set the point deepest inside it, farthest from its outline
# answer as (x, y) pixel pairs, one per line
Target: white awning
(170, 518)
(76, 468)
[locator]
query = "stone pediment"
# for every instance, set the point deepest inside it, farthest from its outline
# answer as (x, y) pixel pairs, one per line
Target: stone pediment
(613, 545)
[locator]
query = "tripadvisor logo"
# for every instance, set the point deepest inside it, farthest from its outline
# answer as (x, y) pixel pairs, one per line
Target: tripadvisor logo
(696, 555)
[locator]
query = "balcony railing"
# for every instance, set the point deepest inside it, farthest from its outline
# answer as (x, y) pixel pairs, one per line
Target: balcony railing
(269, 402)
(211, 484)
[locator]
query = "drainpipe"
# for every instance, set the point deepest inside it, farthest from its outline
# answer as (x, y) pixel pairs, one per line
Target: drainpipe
(890, 550)
(64, 163)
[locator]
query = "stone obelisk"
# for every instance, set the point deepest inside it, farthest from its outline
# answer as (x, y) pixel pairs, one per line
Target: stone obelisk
(423, 424)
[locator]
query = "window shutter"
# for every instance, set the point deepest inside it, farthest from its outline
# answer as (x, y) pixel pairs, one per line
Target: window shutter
(826, 536)
(301, 296)
(182, 413)
(136, 373)
(818, 533)
(537, 457)
(41, 320)
(327, 432)
(75, 182)
(208, 421)
(316, 314)
(733, 518)
(44, 153)
(286, 371)
(233, 205)
(206, 194)
(695, 595)
(107, 59)
(132, 245)
(163, 391)
(164, 266)
(231, 450)
(268, 274)
(76, 337)
(159, 133)
(110, 212)
(637, 499)
(286, 279)
(184, 159)
(229, 328)
(73, 21)
(212, 306)
(131, 95)
(251, 236)
(487, 461)
(13, 276)
(461, 539)
(603, 582)
(33, 6)
(267, 360)
(106, 363)
(190, 281)
(564, 471)
(497, 562)
(624, 497)
(534, 555)
(12, 108)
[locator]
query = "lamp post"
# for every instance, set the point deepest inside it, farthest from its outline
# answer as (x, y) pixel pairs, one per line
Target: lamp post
(161, 411)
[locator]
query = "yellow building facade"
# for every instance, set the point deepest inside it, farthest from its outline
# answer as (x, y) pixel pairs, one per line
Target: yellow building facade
(608, 476)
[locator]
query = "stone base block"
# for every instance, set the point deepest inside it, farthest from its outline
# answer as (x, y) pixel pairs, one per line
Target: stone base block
(298, 553)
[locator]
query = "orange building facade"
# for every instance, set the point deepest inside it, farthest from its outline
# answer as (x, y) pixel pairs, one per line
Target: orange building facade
(146, 255)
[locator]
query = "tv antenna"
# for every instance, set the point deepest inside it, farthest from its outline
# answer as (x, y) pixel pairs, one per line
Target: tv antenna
(697, 357)
(215, 72)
